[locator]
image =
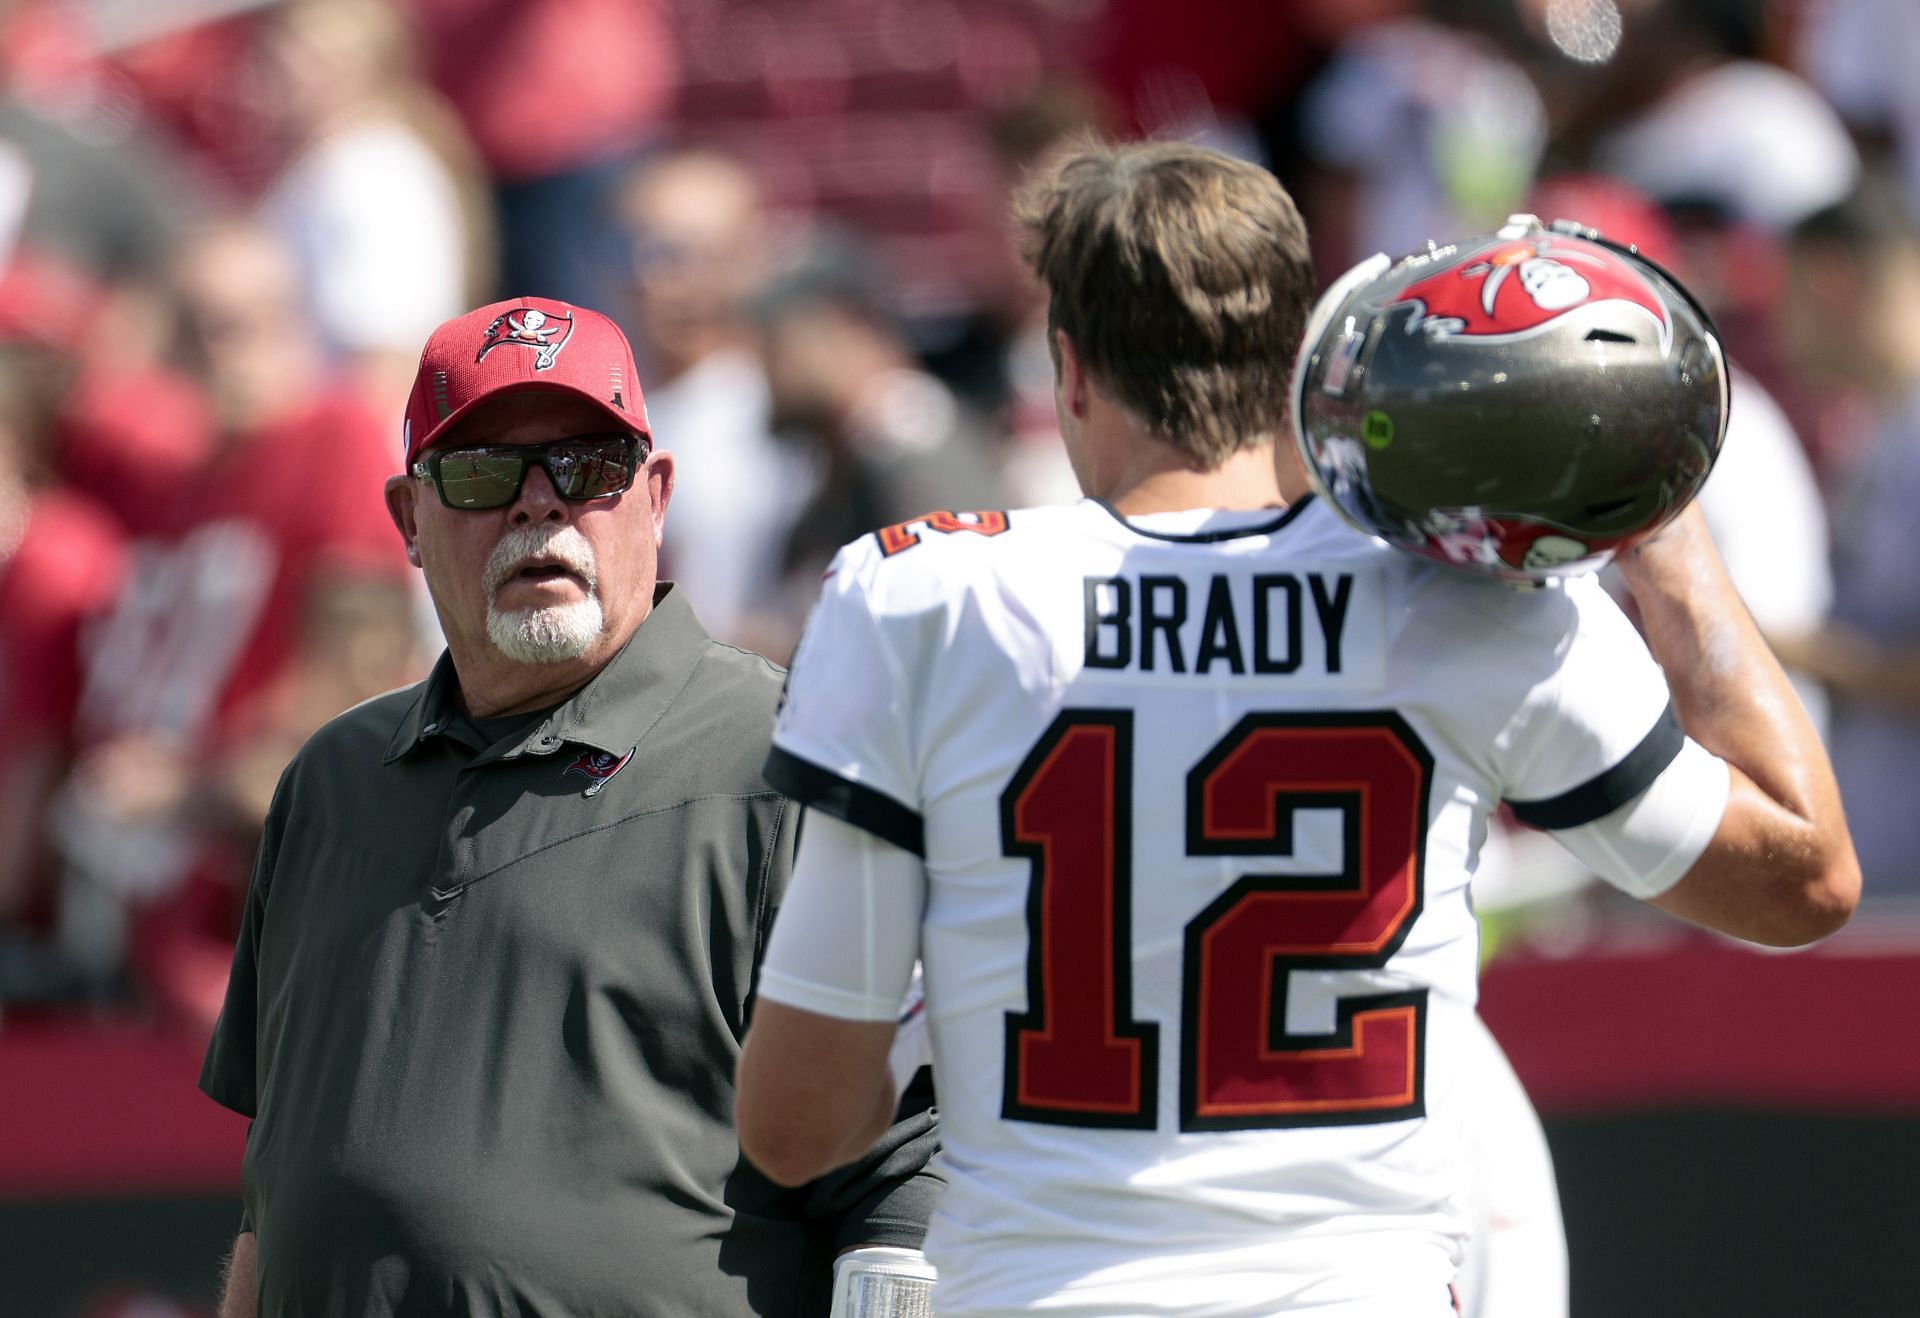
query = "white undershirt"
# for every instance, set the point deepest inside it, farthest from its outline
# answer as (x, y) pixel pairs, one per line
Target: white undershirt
(848, 932)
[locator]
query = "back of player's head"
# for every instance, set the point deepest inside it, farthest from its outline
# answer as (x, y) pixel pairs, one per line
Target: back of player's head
(1182, 278)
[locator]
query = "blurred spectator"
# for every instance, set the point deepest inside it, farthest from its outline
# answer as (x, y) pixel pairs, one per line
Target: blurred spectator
(61, 561)
(1027, 136)
(1852, 321)
(889, 440)
(382, 201)
(1700, 122)
(1862, 55)
(1426, 130)
(697, 231)
(99, 190)
(143, 421)
(116, 408)
(1178, 67)
(97, 200)
(559, 96)
(281, 596)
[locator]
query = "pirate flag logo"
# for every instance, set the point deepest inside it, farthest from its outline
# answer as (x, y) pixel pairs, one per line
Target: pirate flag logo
(543, 332)
(597, 767)
(1519, 289)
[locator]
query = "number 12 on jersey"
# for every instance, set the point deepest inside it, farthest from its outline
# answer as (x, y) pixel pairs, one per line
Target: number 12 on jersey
(1077, 1056)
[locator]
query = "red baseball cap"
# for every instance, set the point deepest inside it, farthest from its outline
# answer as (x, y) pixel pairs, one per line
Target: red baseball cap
(523, 344)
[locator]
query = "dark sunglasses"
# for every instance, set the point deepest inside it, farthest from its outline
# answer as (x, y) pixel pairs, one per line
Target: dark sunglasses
(581, 467)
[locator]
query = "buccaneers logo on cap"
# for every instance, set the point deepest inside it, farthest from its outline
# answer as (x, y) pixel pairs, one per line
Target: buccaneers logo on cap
(1522, 287)
(543, 332)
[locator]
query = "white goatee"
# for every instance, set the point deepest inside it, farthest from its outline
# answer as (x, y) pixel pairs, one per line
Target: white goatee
(557, 632)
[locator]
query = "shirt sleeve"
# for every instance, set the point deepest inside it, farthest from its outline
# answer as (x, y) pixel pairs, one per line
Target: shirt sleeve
(1647, 845)
(1599, 728)
(1598, 758)
(843, 740)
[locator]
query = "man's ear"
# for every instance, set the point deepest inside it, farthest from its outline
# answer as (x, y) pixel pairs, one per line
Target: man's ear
(400, 493)
(659, 476)
(1074, 384)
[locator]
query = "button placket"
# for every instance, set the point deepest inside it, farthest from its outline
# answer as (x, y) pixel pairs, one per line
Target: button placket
(453, 870)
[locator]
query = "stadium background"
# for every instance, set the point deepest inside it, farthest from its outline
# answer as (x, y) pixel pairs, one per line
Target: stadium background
(225, 228)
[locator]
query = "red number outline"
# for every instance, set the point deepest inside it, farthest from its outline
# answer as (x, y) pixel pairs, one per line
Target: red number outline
(901, 536)
(1031, 1034)
(1058, 1058)
(1379, 1040)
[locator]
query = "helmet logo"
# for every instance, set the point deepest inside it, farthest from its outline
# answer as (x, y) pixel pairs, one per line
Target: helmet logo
(1477, 538)
(1519, 289)
(544, 333)
(1551, 551)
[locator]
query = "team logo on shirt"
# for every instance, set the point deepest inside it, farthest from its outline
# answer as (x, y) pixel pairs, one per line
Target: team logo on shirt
(1521, 288)
(598, 767)
(544, 333)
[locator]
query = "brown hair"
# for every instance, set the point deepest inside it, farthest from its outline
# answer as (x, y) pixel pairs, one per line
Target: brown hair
(1182, 278)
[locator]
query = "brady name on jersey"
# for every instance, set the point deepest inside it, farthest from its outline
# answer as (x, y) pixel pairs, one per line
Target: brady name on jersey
(1274, 622)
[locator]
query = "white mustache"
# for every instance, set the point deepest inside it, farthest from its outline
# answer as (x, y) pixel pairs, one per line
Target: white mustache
(522, 545)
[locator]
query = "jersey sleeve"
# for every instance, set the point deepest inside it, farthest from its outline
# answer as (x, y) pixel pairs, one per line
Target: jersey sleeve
(843, 741)
(1597, 757)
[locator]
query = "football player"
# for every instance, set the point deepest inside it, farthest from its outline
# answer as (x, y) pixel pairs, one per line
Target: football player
(1177, 791)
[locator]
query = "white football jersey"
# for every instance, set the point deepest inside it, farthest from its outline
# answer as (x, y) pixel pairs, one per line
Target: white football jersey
(1198, 798)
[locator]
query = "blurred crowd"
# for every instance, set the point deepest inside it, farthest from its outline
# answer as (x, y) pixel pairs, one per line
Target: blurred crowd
(226, 227)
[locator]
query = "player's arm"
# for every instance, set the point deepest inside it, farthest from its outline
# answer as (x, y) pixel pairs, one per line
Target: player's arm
(240, 1298)
(814, 1088)
(815, 1092)
(1780, 868)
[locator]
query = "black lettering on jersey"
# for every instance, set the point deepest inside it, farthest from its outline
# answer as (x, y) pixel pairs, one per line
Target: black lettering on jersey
(1116, 623)
(1264, 659)
(1333, 612)
(1220, 633)
(1273, 642)
(1167, 623)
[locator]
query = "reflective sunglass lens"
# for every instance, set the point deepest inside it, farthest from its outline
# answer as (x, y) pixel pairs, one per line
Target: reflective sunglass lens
(591, 471)
(480, 479)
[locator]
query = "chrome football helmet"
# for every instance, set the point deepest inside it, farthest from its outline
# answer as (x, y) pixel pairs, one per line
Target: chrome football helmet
(1522, 405)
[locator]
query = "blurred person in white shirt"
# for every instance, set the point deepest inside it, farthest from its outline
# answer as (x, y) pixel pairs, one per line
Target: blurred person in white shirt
(696, 226)
(381, 199)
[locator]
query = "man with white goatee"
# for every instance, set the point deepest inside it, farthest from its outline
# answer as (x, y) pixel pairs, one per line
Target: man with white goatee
(497, 953)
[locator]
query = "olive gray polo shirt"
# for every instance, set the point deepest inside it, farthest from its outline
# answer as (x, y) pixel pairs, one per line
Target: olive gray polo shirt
(487, 1000)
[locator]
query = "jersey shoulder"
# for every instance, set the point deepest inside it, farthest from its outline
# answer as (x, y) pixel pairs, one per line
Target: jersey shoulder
(931, 559)
(1522, 622)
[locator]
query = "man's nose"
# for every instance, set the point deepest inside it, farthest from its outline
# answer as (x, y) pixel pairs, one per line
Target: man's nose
(538, 501)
